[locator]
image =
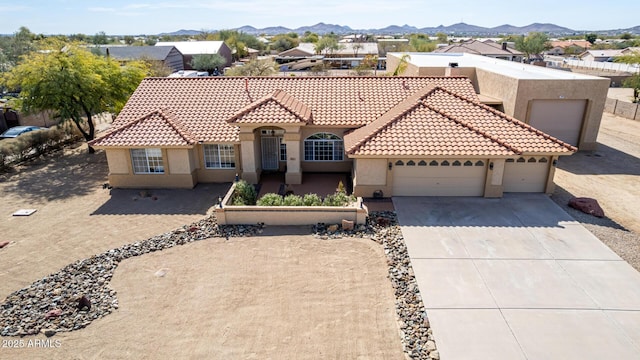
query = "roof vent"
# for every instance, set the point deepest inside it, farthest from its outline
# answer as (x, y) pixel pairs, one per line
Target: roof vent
(246, 84)
(453, 65)
(504, 45)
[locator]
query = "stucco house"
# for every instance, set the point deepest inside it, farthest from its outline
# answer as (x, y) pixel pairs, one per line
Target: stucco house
(167, 55)
(395, 135)
(487, 48)
(564, 104)
(191, 48)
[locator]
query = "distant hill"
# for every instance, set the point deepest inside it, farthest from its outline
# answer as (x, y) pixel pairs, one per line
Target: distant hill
(455, 29)
(181, 32)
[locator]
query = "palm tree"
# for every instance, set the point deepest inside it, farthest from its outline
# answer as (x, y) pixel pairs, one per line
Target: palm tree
(402, 65)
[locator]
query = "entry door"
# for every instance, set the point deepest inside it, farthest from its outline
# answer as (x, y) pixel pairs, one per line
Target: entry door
(270, 153)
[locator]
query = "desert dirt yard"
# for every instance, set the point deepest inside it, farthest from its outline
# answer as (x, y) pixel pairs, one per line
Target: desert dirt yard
(270, 296)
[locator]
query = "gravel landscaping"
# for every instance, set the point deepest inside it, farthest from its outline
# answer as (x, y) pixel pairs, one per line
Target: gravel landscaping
(73, 297)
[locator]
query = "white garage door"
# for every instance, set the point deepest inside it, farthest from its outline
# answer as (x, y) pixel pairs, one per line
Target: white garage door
(525, 174)
(419, 177)
(559, 118)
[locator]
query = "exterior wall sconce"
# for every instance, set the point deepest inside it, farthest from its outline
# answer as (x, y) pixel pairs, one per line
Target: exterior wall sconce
(555, 163)
(220, 201)
(390, 165)
(491, 166)
(237, 178)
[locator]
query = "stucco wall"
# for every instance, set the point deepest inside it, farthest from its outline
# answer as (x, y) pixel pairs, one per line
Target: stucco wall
(595, 91)
(178, 161)
(501, 87)
(119, 161)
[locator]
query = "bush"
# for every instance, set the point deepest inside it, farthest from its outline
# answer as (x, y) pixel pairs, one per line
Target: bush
(338, 199)
(270, 199)
(292, 200)
(311, 200)
(244, 194)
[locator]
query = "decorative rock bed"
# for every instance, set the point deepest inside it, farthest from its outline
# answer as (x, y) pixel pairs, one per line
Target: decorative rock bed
(52, 304)
(57, 302)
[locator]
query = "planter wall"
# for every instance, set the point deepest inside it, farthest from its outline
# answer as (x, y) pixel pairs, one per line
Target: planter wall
(288, 215)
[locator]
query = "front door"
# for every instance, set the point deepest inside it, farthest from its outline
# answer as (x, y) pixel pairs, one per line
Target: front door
(270, 151)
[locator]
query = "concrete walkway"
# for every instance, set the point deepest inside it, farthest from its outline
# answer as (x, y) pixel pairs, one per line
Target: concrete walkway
(518, 278)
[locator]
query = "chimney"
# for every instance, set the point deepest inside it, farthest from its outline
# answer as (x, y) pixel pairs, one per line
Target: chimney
(504, 45)
(452, 70)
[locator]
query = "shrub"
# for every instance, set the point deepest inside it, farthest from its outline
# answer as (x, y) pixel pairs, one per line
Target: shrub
(270, 199)
(338, 199)
(244, 194)
(292, 200)
(311, 200)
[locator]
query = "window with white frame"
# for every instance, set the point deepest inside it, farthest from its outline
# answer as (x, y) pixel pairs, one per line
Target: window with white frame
(219, 156)
(283, 150)
(147, 161)
(323, 147)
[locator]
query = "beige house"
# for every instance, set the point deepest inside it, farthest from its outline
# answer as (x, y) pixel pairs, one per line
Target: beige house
(394, 135)
(563, 104)
(189, 49)
(487, 48)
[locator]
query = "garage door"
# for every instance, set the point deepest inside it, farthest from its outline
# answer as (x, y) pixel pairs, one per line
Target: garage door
(421, 177)
(559, 118)
(525, 174)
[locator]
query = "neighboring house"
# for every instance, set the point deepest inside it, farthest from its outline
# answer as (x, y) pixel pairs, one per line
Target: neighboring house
(485, 48)
(564, 104)
(402, 136)
(600, 55)
(168, 55)
(191, 48)
(631, 51)
(348, 55)
(559, 48)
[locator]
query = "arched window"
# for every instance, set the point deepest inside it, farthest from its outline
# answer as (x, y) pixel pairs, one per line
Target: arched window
(323, 147)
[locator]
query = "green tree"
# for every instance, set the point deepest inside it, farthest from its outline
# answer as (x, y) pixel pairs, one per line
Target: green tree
(261, 67)
(310, 37)
(75, 84)
(421, 43)
(626, 36)
(591, 37)
(442, 38)
(634, 83)
(100, 38)
(328, 45)
(207, 62)
(533, 44)
(402, 65)
(129, 40)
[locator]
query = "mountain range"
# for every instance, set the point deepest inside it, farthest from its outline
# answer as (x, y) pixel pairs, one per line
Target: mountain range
(455, 29)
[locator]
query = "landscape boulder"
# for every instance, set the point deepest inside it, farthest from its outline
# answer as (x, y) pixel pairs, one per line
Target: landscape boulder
(3, 244)
(587, 206)
(347, 225)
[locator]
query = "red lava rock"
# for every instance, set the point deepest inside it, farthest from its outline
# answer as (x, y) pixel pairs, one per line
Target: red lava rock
(3, 244)
(194, 228)
(587, 206)
(53, 313)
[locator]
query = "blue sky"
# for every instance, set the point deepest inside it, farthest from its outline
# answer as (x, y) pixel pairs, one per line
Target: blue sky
(153, 17)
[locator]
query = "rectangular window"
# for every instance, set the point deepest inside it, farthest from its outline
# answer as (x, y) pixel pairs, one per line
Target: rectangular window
(323, 150)
(147, 161)
(283, 150)
(219, 156)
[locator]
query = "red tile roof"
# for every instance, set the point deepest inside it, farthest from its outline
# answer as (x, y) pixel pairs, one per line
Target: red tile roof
(278, 108)
(442, 123)
(158, 128)
(204, 105)
(392, 116)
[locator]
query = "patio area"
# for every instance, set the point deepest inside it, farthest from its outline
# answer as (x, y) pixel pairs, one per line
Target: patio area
(322, 184)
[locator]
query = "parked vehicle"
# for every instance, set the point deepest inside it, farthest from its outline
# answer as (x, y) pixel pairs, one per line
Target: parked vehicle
(19, 130)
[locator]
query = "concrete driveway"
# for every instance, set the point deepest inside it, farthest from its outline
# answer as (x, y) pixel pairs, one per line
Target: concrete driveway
(518, 278)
